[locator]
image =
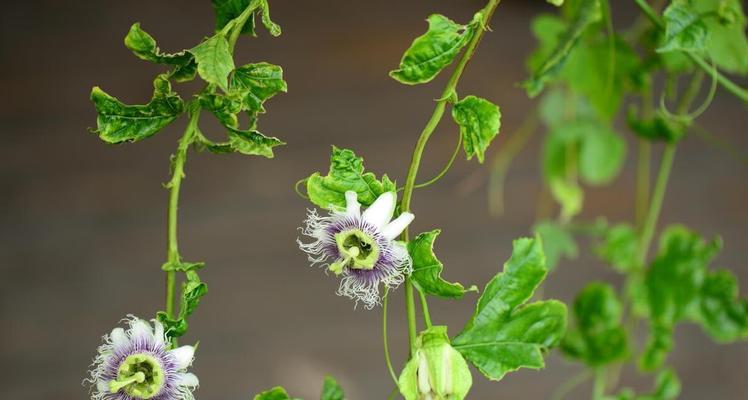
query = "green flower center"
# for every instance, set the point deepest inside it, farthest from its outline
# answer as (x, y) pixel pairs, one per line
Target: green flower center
(140, 376)
(358, 249)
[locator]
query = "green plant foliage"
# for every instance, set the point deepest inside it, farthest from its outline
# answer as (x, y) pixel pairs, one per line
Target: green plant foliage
(346, 173)
(680, 287)
(331, 390)
(214, 61)
(229, 10)
(479, 121)
(504, 335)
(726, 43)
(252, 142)
(597, 152)
(618, 248)
(118, 122)
(276, 393)
(557, 44)
(256, 83)
(436, 370)
(558, 242)
(434, 50)
(427, 268)
(684, 29)
(192, 291)
(599, 337)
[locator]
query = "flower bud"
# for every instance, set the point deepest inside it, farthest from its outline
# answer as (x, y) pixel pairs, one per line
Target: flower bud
(437, 371)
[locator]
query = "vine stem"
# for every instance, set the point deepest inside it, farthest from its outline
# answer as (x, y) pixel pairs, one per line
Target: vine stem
(175, 183)
(598, 388)
(729, 85)
(387, 358)
(415, 162)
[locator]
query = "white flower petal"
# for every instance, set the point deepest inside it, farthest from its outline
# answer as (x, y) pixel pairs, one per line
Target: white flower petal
(140, 328)
(118, 338)
(183, 356)
(380, 212)
(158, 332)
(397, 226)
(352, 206)
(187, 379)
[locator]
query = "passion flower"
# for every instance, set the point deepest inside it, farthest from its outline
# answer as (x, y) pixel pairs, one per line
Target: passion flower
(360, 247)
(137, 364)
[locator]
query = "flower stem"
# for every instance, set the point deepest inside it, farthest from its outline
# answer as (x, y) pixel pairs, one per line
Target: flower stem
(415, 162)
(650, 222)
(178, 161)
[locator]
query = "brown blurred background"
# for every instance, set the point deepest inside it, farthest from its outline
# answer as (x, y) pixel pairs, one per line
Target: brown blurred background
(82, 224)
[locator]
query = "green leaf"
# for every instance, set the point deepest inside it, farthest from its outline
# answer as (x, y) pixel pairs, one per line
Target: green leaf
(557, 242)
(674, 283)
(118, 122)
(182, 266)
(331, 390)
(503, 335)
(557, 3)
(550, 62)
(618, 248)
(479, 122)
(227, 10)
(427, 268)
(257, 83)
(271, 26)
(601, 155)
(224, 108)
(144, 46)
(588, 71)
(192, 291)
(599, 337)
(600, 152)
(214, 61)
(346, 173)
(433, 51)
(568, 194)
(276, 393)
(252, 142)
(726, 44)
(722, 314)
(684, 29)
(436, 370)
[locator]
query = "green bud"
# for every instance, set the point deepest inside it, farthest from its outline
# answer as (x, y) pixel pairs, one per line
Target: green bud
(437, 371)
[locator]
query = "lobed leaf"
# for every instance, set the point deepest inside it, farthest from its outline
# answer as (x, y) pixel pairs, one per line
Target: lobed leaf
(214, 60)
(144, 46)
(684, 29)
(257, 83)
(346, 173)
(331, 390)
(117, 122)
(252, 142)
(479, 121)
(681, 288)
(503, 336)
(599, 337)
(618, 248)
(427, 268)
(433, 51)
